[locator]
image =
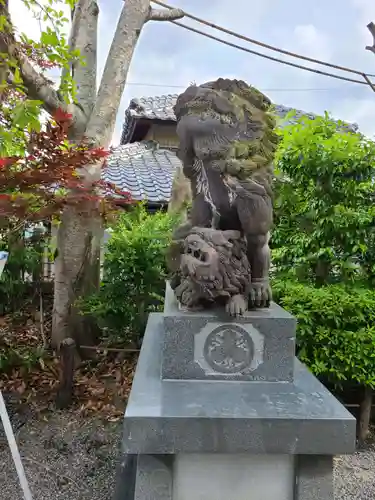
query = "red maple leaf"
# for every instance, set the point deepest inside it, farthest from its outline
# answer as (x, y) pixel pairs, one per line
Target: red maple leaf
(46, 168)
(100, 152)
(4, 162)
(61, 116)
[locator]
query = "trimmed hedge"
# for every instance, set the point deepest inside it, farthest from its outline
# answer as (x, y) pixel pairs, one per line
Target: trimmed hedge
(335, 333)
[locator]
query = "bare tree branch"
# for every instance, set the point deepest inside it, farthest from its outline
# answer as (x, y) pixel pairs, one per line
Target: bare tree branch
(135, 13)
(85, 40)
(102, 121)
(76, 15)
(371, 28)
(165, 14)
(37, 85)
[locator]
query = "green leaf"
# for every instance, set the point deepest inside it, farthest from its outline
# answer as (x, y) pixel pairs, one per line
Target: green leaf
(49, 38)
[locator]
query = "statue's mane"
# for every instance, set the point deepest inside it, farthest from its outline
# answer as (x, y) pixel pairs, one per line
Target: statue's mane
(233, 269)
(250, 155)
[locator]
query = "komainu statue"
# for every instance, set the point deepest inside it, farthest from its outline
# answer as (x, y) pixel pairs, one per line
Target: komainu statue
(220, 255)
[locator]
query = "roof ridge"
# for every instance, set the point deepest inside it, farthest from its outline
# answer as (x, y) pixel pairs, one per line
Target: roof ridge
(147, 144)
(157, 96)
(139, 101)
(149, 107)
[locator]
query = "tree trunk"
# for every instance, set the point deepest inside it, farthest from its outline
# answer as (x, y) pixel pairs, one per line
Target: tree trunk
(322, 272)
(181, 194)
(77, 267)
(364, 416)
(102, 121)
(77, 274)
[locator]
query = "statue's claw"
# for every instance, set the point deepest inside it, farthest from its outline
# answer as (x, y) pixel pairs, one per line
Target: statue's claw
(260, 294)
(237, 305)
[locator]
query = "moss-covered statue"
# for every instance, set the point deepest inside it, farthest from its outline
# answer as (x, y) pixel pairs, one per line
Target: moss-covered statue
(220, 255)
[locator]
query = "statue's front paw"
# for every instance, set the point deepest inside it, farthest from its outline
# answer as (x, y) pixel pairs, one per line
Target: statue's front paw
(181, 289)
(237, 305)
(260, 294)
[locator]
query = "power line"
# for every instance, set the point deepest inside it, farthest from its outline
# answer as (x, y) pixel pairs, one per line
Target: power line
(244, 49)
(262, 44)
(332, 89)
(257, 42)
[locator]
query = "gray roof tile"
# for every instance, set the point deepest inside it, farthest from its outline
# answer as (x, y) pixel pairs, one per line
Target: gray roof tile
(154, 107)
(142, 169)
(149, 108)
(161, 108)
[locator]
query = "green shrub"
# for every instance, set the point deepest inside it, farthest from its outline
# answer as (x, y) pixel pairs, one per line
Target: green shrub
(134, 273)
(323, 247)
(24, 266)
(336, 329)
(17, 356)
(324, 203)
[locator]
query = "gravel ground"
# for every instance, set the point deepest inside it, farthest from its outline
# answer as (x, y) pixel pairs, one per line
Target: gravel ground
(65, 458)
(355, 475)
(71, 458)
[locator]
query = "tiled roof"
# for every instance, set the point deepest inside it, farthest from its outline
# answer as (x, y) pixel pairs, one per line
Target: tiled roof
(154, 107)
(161, 108)
(282, 111)
(142, 169)
(150, 108)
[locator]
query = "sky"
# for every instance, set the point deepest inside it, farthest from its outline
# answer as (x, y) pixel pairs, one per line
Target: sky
(168, 58)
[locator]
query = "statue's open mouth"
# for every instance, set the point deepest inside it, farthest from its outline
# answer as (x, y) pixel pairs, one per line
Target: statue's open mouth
(199, 260)
(198, 254)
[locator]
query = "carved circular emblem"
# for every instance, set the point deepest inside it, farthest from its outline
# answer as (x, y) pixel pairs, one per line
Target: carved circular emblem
(228, 349)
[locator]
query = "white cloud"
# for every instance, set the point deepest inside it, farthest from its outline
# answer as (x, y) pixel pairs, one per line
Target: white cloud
(23, 20)
(241, 16)
(311, 42)
(359, 111)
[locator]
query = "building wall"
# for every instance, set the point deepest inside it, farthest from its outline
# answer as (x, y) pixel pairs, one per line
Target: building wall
(165, 135)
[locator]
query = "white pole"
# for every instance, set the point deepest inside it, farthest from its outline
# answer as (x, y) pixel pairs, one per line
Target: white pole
(3, 260)
(14, 449)
(7, 425)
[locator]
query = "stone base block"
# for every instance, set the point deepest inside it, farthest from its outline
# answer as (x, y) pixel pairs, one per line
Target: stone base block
(239, 477)
(210, 345)
(195, 416)
(203, 439)
(226, 476)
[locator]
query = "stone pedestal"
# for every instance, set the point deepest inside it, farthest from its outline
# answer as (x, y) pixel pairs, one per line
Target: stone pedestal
(221, 409)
